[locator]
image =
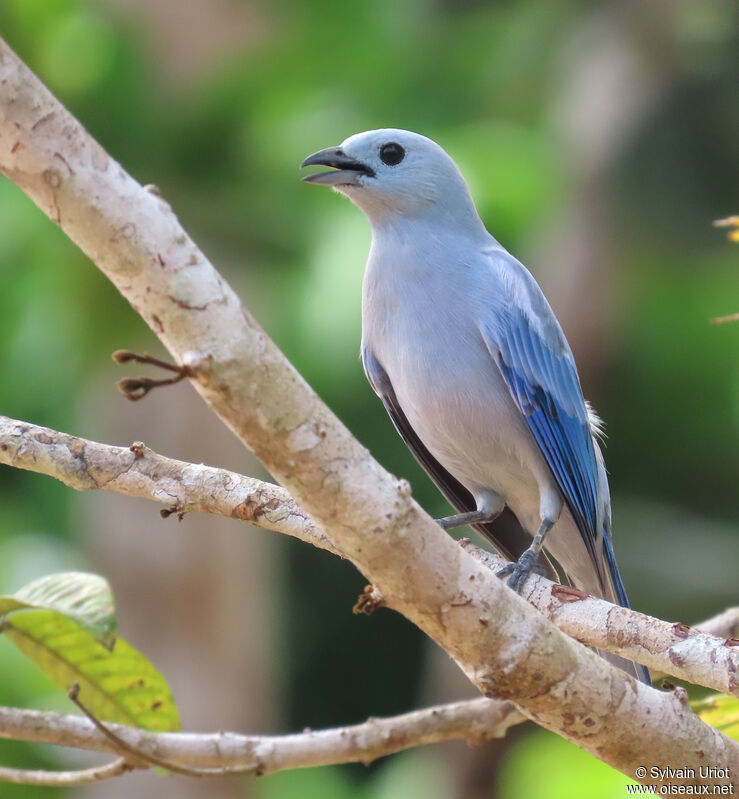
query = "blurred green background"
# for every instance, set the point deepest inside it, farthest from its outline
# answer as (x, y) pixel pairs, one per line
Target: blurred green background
(599, 140)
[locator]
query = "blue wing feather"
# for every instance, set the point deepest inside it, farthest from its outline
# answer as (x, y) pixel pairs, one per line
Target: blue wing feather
(542, 379)
(540, 372)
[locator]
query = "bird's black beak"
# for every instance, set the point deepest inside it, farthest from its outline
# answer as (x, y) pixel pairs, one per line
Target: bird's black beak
(348, 171)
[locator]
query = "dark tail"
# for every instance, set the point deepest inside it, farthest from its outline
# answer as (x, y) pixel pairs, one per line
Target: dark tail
(619, 594)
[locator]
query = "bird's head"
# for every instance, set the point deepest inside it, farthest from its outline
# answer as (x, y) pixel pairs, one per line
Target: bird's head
(390, 173)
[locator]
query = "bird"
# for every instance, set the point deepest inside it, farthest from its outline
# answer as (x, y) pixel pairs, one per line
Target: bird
(471, 364)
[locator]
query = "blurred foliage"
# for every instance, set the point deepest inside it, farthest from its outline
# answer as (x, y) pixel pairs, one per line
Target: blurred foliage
(722, 712)
(490, 81)
(562, 771)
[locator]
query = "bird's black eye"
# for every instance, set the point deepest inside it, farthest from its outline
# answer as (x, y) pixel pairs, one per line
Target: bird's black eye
(391, 153)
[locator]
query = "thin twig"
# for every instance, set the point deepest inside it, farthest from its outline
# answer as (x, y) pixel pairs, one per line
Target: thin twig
(211, 754)
(140, 757)
(730, 222)
(136, 388)
(126, 356)
(725, 625)
(722, 320)
(66, 779)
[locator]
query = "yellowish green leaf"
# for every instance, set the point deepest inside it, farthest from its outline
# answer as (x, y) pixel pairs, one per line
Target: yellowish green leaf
(66, 624)
(120, 685)
(85, 598)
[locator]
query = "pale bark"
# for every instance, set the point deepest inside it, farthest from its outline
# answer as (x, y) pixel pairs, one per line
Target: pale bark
(725, 625)
(504, 645)
(137, 471)
(65, 779)
(475, 721)
(676, 649)
(688, 653)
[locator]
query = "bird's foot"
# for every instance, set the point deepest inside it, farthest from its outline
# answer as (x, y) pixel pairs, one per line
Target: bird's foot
(520, 570)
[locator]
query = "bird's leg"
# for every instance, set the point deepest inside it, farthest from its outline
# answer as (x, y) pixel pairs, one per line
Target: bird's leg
(489, 507)
(472, 517)
(522, 568)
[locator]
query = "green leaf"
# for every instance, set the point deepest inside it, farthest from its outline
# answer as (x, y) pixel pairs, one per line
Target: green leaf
(66, 624)
(720, 711)
(120, 686)
(84, 598)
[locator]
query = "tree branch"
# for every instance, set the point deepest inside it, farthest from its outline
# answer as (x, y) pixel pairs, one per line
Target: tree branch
(475, 721)
(725, 625)
(675, 649)
(137, 471)
(504, 646)
(688, 653)
(65, 779)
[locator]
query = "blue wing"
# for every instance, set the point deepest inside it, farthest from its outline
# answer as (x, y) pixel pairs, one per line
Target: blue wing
(540, 372)
(505, 533)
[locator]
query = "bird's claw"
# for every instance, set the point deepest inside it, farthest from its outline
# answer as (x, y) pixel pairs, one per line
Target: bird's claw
(520, 570)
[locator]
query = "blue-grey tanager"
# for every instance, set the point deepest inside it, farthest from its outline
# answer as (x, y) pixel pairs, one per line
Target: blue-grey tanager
(464, 351)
